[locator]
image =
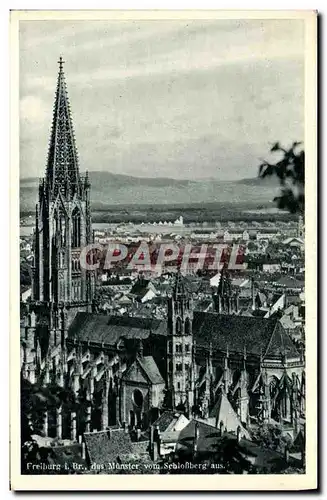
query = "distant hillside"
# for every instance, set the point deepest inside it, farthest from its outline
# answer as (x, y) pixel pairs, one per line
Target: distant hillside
(259, 181)
(115, 189)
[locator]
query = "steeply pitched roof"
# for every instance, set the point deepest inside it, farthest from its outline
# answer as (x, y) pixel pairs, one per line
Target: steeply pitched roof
(167, 420)
(151, 369)
(238, 332)
(224, 412)
(109, 329)
(280, 344)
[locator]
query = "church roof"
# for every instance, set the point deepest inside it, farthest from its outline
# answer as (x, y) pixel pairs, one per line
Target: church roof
(109, 329)
(224, 412)
(257, 335)
(151, 369)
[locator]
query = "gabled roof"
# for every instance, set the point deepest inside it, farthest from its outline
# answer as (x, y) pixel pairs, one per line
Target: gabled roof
(109, 329)
(239, 332)
(141, 288)
(167, 420)
(224, 412)
(150, 367)
(208, 439)
(280, 344)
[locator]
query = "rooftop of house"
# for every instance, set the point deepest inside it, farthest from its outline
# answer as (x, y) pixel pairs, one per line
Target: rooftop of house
(167, 420)
(210, 441)
(208, 438)
(224, 412)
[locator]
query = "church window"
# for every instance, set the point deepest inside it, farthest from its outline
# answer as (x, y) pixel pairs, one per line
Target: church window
(76, 228)
(178, 348)
(179, 326)
(179, 367)
(138, 398)
(63, 230)
(178, 385)
(187, 326)
(187, 347)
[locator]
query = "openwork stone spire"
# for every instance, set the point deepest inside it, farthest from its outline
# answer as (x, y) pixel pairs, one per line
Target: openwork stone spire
(179, 289)
(62, 164)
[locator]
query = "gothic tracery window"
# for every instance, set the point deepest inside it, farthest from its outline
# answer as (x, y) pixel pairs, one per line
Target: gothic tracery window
(76, 228)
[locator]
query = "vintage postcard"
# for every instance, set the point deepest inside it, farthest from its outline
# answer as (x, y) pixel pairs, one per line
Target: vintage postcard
(163, 212)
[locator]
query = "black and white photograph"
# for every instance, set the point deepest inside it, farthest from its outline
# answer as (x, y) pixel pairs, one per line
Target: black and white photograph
(164, 234)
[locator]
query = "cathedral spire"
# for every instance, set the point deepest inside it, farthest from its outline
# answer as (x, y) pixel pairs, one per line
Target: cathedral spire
(62, 164)
(179, 290)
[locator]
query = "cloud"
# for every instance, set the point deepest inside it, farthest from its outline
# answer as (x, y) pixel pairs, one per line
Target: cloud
(32, 110)
(165, 98)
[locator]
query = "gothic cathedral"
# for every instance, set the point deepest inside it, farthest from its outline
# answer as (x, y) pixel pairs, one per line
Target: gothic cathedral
(63, 219)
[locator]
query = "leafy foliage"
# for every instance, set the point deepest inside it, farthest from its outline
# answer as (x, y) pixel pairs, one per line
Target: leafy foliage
(270, 436)
(290, 172)
(25, 273)
(35, 401)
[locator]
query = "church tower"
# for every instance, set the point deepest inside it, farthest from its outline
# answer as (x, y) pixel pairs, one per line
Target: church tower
(63, 219)
(225, 299)
(180, 359)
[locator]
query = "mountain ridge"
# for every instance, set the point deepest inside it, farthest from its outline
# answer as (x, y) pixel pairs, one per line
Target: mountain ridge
(119, 189)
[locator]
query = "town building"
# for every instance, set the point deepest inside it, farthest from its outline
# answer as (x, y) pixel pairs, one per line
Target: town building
(125, 371)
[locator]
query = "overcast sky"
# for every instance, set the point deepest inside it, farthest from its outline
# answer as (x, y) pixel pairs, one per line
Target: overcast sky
(182, 99)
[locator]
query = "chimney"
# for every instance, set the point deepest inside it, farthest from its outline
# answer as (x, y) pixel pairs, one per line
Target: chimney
(83, 451)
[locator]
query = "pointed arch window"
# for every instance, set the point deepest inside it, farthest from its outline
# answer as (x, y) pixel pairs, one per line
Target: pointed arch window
(187, 326)
(62, 227)
(178, 326)
(76, 228)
